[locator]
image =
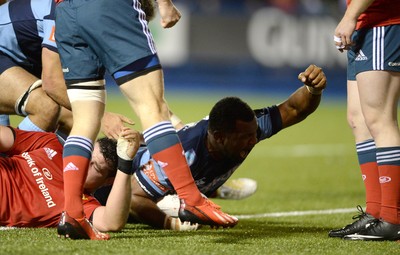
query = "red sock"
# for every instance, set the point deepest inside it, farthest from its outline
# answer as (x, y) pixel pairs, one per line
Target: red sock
(75, 173)
(366, 153)
(173, 161)
(370, 176)
(390, 187)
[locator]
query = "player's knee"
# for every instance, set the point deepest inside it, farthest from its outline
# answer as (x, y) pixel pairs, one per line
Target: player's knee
(37, 104)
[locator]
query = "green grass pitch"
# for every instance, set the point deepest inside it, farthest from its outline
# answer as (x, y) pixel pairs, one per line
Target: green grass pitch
(310, 166)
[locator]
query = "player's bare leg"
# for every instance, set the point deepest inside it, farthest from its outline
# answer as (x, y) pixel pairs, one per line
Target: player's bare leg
(379, 94)
(41, 110)
(88, 109)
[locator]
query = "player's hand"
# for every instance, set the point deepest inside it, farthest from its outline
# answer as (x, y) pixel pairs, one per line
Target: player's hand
(170, 15)
(313, 77)
(343, 32)
(112, 124)
(128, 143)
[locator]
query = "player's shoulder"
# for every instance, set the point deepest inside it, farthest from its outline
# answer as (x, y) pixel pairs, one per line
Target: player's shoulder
(43, 9)
(193, 126)
(192, 133)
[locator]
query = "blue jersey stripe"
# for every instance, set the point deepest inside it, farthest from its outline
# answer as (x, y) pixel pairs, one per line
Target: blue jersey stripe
(25, 27)
(26, 31)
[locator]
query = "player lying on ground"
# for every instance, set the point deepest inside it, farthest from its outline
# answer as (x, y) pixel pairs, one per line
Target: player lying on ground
(31, 180)
(217, 145)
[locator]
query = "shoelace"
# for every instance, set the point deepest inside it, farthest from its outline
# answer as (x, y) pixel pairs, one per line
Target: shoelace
(372, 224)
(360, 215)
(208, 201)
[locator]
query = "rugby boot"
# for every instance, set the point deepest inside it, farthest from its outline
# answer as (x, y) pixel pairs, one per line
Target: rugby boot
(378, 230)
(78, 229)
(362, 219)
(207, 213)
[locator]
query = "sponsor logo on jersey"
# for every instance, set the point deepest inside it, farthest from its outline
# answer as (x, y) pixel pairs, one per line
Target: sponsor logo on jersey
(361, 56)
(65, 70)
(52, 37)
(149, 169)
(394, 63)
(50, 152)
(40, 181)
(70, 167)
(384, 179)
(46, 172)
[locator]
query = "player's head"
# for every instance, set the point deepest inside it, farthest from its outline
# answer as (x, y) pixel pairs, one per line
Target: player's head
(233, 128)
(103, 164)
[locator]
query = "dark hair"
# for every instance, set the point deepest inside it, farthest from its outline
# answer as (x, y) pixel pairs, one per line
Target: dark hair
(226, 112)
(108, 147)
(148, 8)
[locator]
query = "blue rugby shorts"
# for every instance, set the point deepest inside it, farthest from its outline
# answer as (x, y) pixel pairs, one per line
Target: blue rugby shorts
(375, 49)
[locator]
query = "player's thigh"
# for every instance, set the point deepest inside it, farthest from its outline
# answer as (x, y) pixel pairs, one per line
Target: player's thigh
(379, 94)
(14, 82)
(146, 96)
(39, 103)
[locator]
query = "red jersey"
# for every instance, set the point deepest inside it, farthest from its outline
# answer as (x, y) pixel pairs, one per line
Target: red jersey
(379, 13)
(31, 182)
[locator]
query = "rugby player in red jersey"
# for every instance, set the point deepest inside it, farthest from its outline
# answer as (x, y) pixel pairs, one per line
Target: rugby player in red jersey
(32, 189)
(370, 34)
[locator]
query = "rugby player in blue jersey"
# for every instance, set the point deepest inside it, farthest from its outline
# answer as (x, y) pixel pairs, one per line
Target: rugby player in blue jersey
(30, 65)
(27, 51)
(216, 146)
(95, 36)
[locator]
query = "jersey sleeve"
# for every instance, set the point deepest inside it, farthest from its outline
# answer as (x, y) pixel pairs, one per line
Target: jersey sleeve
(269, 122)
(49, 28)
(26, 141)
(89, 205)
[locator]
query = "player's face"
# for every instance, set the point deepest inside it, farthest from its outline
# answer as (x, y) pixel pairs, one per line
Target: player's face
(98, 170)
(237, 145)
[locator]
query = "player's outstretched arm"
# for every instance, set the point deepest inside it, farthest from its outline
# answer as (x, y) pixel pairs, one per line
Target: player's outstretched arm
(6, 139)
(304, 100)
(113, 216)
(53, 79)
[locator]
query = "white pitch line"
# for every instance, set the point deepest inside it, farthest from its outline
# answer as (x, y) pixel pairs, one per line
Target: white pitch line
(7, 228)
(296, 213)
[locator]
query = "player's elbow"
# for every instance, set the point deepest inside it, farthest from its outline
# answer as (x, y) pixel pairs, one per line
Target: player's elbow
(115, 226)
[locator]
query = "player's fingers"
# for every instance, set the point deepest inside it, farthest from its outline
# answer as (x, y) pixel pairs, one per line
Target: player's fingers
(302, 77)
(315, 74)
(319, 81)
(305, 76)
(127, 120)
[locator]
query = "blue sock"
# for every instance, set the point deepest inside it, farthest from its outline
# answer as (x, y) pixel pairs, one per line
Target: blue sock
(4, 120)
(28, 125)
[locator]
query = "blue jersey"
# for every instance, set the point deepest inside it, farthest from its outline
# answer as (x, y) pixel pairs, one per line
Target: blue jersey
(208, 173)
(25, 27)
